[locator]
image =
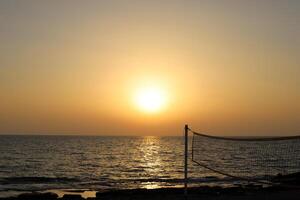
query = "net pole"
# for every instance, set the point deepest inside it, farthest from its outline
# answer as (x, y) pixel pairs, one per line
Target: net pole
(186, 128)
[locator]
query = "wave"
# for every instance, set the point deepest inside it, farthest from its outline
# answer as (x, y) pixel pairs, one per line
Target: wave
(36, 180)
(207, 179)
(95, 181)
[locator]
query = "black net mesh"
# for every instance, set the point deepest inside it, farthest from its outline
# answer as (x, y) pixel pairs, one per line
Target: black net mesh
(257, 159)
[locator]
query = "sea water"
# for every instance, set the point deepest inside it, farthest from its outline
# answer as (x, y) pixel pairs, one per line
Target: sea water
(89, 162)
(37, 163)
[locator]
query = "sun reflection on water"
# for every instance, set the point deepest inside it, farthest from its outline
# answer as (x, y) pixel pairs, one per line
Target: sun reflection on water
(151, 159)
(150, 147)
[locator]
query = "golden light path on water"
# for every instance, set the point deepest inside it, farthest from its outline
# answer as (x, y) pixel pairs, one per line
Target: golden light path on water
(150, 148)
(152, 163)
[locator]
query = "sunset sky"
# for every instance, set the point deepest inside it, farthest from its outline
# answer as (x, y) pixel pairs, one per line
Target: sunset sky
(137, 67)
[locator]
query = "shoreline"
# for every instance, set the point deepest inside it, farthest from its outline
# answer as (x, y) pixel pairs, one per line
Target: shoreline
(288, 188)
(204, 192)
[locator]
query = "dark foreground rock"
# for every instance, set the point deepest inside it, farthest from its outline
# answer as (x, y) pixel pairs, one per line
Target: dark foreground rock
(38, 196)
(72, 197)
(205, 192)
(290, 179)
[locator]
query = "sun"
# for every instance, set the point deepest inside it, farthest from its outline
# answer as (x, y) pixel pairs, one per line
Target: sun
(150, 99)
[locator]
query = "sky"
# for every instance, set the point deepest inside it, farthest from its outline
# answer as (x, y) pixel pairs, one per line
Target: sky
(223, 67)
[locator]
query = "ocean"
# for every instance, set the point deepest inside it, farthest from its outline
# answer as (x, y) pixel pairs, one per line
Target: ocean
(38, 163)
(89, 162)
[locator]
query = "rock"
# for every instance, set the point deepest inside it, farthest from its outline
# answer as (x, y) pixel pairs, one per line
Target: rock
(72, 197)
(293, 179)
(91, 198)
(38, 196)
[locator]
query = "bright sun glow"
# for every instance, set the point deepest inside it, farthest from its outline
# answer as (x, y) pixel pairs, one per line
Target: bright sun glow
(150, 99)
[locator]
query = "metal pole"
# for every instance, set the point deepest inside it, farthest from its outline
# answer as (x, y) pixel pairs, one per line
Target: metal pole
(186, 128)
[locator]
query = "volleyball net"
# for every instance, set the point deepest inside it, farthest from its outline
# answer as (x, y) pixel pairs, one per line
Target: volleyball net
(256, 159)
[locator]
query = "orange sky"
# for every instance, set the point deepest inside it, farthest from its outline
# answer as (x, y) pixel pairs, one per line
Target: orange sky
(225, 68)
